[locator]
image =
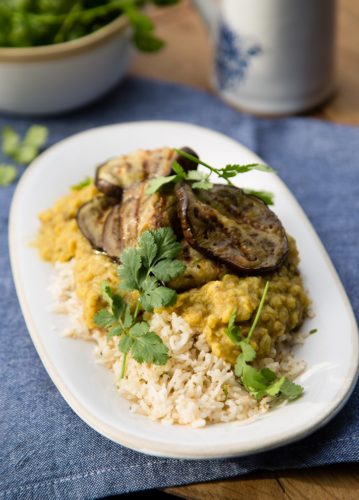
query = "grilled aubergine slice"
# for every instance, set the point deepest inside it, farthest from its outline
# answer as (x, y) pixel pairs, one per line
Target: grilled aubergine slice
(237, 229)
(137, 213)
(119, 173)
(91, 218)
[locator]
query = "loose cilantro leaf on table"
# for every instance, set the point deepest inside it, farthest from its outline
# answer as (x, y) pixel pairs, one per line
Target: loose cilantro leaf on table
(264, 382)
(145, 269)
(24, 151)
(200, 180)
(7, 174)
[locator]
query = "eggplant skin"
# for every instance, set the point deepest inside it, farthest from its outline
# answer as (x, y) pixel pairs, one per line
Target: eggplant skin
(185, 163)
(229, 226)
(91, 218)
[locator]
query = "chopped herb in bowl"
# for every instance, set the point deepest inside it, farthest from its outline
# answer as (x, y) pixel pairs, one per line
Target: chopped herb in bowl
(33, 23)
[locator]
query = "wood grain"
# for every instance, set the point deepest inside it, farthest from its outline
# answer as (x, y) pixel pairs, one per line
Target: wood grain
(187, 60)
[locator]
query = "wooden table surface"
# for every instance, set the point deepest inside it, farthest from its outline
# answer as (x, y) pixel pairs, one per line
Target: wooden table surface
(186, 59)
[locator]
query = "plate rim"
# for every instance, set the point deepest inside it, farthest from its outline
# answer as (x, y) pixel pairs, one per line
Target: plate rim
(147, 445)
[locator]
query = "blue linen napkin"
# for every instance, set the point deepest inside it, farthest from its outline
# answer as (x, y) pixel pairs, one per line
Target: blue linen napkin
(46, 451)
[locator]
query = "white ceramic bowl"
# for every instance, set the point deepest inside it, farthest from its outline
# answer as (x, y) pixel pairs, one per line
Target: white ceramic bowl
(57, 78)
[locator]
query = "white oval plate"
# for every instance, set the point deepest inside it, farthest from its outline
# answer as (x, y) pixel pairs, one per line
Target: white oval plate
(90, 389)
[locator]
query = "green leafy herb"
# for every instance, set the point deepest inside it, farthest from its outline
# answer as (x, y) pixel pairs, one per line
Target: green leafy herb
(266, 196)
(148, 267)
(7, 174)
(264, 382)
(314, 330)
(24, 151)
(201, 180)
(29, 23)
(134, 336)
(145, 269)
(86, 182)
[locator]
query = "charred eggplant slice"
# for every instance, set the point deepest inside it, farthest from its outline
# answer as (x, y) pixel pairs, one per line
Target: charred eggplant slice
(91, 218)
(237, 229)
(121, 172)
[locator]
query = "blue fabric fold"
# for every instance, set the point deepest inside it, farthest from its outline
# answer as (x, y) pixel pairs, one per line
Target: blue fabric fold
(46, 451)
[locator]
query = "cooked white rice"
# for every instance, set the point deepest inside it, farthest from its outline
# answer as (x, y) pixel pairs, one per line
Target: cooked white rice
(194, 387)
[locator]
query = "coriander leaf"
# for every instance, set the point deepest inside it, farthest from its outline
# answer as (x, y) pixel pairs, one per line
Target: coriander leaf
(266, 196)
(239, 366)
(149, 348)
(158, 297)
(139, 21)
(155, 185)
(167, 269)
(290, 390)
(115, 331)
(118, 306)
(7, 174)
(104, 319)
(127, 318)
(106, 292)
(128, 271)
(254, 381)
(204, 184)
(25, 154)
(275, 388)
(86, 182)
(147, 42)
(269, 375)
(36, 136)
(167, 244)
(181, 173)
(232, 170)
(249, 353)
(139, 329)
(148, 248)
(10, 141)
(232, 331)
(125, 344)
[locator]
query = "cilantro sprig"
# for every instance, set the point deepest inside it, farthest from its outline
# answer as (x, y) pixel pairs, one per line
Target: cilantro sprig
(149, 266)
(201, 180)
(144, 269)
(264, 382)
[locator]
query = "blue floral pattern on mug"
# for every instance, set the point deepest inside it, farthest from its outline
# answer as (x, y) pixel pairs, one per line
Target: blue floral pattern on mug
(233, 56)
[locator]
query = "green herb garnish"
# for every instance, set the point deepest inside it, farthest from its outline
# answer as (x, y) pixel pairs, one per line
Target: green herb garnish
(30, 23)
(144, 269)
(22, 151)
(26, 150)
(7, 174)
(86, 182)
(200, 180)
(264, 382)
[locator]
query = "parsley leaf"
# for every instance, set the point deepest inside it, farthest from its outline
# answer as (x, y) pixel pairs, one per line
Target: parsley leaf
(7, 174)
(167, 269)
(156, 184)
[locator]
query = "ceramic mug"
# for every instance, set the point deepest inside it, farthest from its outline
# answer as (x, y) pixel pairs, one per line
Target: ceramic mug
(272, 56)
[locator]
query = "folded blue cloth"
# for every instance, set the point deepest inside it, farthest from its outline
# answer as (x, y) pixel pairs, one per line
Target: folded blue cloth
(46, 451)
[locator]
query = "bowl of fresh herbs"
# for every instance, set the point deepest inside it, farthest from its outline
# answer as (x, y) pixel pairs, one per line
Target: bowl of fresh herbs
(56, 55)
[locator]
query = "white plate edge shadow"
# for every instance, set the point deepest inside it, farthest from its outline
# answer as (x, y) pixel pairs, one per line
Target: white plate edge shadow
(150, 446)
